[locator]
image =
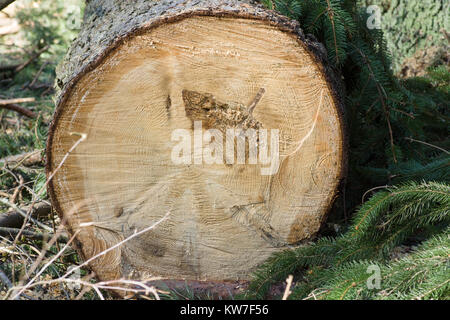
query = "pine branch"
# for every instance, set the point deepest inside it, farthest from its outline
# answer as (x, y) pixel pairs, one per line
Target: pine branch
(380, 225)
(420, 275)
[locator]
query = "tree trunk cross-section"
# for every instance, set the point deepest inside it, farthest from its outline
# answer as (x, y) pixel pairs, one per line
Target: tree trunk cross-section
(141, 70)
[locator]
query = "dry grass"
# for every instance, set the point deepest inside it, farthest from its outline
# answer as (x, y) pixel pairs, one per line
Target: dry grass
(32, 261)
(36, 257)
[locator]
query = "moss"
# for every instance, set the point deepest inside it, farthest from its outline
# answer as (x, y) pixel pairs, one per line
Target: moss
(412, 25)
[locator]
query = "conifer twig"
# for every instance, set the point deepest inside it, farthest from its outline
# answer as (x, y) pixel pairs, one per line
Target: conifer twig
(427, 144)
(331, 15)
(382, 95)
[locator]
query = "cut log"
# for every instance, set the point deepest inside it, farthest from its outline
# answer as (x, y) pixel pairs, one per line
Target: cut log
(145, 76)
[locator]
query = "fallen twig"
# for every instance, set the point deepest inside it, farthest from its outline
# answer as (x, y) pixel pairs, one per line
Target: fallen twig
(24, 159)
(19, 67)
(24, 214)
(31, 85)
(427, 144)
(32, 58)
(19, 109)
(17, 191)
(12, 104)
(4, 102)
(12, 232)
(14, 219)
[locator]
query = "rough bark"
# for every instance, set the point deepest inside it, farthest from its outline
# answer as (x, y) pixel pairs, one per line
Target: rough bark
(5, 3)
